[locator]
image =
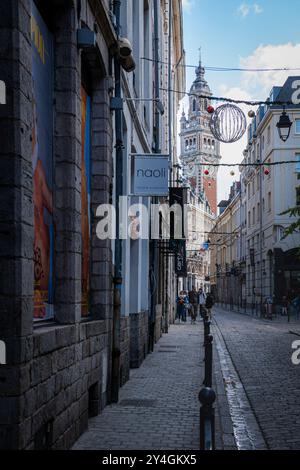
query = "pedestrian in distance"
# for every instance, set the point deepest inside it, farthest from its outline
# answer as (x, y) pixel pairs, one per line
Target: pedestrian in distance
(181, 301)
(201, 301)
(193, 298)
(284, 306)
(209, 302)
(268, 306)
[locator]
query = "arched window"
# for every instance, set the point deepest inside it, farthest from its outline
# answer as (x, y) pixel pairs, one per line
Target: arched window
(186, 144)
(191, 143)
(213, 144)
(204, 143)
(208, 143)
(194, 142)
(194, 105)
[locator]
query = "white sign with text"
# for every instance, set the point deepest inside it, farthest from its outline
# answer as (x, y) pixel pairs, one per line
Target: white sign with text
(150, 175)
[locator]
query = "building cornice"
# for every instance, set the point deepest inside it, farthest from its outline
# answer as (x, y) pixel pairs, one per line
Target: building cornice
(103, 19)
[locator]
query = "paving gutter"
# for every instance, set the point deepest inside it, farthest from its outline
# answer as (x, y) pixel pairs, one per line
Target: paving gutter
(246, 430)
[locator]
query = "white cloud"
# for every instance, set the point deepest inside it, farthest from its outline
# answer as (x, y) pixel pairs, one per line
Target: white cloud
(259, 84)
(257, 9)
(244, 10)
(255, 86)
(187, 5)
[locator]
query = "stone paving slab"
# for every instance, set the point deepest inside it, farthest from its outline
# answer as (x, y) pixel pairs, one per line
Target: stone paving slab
(169, 379)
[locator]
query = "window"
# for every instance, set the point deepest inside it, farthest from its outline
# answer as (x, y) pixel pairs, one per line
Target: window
(208, 142)
(263, 239)
(205, 143)
(297, 126)
(258, 152)
(253, 216)
(249, 219)
(213, 145)
(269, 201)
(43, 245)
(269, 135)
(258, 212)
(186, 144)
(263, 142)
(298, 164)
(253, 188)
(263, 204)
(194, 105)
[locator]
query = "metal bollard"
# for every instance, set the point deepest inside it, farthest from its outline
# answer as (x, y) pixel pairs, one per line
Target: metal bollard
(206, 323)
(207, 419)
(208, 361)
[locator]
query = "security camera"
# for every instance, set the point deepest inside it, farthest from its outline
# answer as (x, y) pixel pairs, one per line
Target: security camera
(125, 48)
(125, 54)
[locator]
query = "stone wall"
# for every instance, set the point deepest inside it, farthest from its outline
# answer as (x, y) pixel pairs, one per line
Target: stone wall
(63, 384)
(125, 350)
(139, 324)
(158, 322)
(58, 372)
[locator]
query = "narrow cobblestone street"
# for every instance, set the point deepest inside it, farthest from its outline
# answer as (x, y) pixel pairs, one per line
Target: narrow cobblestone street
(257, 386)
(158, 407)
(261, 378)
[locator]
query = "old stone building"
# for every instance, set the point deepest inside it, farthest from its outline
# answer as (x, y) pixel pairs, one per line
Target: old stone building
(56, 167)
(69, 344)
(198, 149)
(252, 260)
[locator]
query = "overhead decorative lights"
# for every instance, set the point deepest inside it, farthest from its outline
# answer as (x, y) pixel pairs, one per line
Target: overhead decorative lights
(228, 123)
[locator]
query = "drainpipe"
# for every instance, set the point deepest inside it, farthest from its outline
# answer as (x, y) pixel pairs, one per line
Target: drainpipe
(153, 249)
(115, 385)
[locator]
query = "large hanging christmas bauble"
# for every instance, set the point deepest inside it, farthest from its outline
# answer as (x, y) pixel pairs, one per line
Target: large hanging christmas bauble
(228, 123)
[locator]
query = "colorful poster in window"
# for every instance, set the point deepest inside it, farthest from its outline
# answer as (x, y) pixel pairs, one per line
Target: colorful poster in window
(85, 200)
(42, 164)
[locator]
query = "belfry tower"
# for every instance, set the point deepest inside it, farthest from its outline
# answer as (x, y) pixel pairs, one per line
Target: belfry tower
(198, 145)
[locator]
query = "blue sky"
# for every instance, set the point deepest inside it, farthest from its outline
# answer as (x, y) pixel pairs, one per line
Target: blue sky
(225, 35)
(235, 33)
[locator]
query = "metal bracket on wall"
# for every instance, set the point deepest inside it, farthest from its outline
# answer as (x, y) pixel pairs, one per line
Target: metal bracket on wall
(116, 103)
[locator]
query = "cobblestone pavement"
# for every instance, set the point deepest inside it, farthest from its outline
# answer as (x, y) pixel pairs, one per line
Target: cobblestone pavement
(158, 407)
(259, 356)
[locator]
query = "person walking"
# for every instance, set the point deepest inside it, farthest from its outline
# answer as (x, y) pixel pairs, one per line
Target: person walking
(181, 301)
(209, 302)
(193, 299)
(285, 304)
(201, 301)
